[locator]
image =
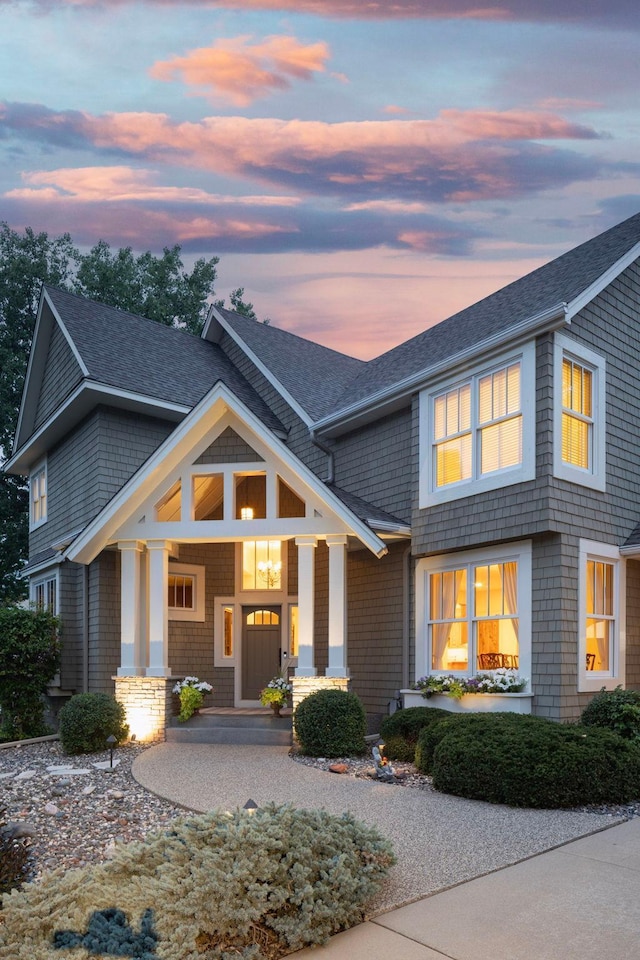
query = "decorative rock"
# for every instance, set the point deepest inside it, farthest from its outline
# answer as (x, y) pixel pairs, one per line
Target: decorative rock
(88, 790)
(26, 775)
(116, 794)
(51, 809)
(339, 768)
(105, 764)
(19, 830)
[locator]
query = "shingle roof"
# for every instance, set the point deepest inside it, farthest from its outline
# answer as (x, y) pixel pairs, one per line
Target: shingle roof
(364, 510)
(313, 375)
(131, 353)
(561, 280)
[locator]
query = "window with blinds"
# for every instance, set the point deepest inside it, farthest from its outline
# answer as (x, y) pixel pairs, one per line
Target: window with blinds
(477, 427)
(577, 414)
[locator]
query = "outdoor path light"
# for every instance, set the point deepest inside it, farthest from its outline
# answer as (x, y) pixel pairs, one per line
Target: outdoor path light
(111, 740)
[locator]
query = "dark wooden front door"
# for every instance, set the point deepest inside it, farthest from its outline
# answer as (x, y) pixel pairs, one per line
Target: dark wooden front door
(261, 635)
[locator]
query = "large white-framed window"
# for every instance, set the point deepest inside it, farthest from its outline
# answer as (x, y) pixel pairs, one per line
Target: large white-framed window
(473, 611)
(579, 412)
(602, 617)
(186, 592)
(477, 432)
(262, 565)
(38, 496)
(44, 592)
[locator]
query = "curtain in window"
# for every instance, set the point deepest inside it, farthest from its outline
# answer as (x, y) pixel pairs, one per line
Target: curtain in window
(511, 594)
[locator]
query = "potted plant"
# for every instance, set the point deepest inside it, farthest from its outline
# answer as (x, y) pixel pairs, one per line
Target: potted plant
(276, 694)
(191, 692)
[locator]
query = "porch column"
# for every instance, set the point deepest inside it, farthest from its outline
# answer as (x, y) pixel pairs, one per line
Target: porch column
(158, 608)
(306, 605)
(132, 646)
(337, 607)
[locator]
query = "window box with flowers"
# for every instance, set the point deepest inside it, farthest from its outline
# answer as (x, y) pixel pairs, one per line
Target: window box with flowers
(500, 690)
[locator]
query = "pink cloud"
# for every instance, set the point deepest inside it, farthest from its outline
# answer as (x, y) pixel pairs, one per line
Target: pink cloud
(240, 72)
(122, 183)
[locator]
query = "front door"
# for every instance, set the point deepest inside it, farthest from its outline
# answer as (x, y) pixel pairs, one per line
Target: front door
(261, 636)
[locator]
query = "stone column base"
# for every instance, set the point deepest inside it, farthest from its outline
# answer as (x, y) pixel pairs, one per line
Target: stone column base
(303, 686)
(147, 703)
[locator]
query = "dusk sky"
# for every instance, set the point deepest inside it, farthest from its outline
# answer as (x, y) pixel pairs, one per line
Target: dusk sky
(364, 169)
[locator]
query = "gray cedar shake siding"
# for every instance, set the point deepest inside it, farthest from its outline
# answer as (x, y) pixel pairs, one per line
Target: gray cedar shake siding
(62, 374)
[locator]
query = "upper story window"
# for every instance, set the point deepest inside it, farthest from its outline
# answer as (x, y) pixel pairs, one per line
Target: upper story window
(38, 496)
(262, 565)
(579, 414)
(479, 433)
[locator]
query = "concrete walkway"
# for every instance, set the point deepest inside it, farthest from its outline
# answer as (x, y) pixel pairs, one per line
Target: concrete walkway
(469, 874)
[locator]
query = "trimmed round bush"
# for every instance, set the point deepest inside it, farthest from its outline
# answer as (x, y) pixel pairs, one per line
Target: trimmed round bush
(330, 723)
(430, 736)
(400, 731)
(216, 885)
(88, 719)
(617, 710)
(533, 762)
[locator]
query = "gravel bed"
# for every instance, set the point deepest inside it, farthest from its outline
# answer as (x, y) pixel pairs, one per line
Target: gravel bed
(72, 812)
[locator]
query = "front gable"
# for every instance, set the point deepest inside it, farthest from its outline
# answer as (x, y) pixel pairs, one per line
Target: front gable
(192, 475)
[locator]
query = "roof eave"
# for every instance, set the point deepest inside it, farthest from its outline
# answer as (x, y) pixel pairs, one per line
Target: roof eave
(396, 396)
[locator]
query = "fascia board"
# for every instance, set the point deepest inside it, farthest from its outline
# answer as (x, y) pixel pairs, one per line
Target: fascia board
(633, 550)
(603, 281)
(60, 419)
(214, 315)
(393, 397)
(169, 454)
(28, 403)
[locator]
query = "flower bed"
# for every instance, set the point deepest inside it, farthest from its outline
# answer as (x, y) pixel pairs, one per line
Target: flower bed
(500, 689)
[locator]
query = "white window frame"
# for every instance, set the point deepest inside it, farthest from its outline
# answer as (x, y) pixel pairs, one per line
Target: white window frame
(39, 471)
(590, 681)
(40, 581)
(521, 553)
(429, 493)
(197, 612)
(285, 602)
(260, 592)
(595, 476)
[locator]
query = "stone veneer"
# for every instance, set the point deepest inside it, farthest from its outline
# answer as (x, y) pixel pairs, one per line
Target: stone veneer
(148, 705)
(303, 686)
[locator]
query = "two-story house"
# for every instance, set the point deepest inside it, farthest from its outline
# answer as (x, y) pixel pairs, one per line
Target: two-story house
(249, 501)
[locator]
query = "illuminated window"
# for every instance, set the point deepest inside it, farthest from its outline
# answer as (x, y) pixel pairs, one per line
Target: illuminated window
(601, 657)
(227, 629)
(208, 497)
(474, 611)
(579, 414)
(293, 630)
(168, 509)
(289, 503)
(251, 497)
(38, 496)
(263, 618)
(182, 592)
(479, 433)
(261, 565)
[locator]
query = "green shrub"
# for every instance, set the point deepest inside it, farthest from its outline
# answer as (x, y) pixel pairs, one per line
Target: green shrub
(88, 719)
(400, 731)
(16, 862)
(429, 737)
(532, 762)
(29, 660)
(617, 710)
(219, 885)
(330, 723)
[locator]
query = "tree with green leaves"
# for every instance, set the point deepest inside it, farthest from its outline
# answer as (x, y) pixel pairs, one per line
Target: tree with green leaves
(157, 287)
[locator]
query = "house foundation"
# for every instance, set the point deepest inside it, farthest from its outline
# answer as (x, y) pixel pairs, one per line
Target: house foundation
(148, 705)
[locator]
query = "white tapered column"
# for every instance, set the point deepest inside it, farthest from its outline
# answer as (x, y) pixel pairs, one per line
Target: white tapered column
(132, 647)
(158, 608)
(306, 605)
(337, 607)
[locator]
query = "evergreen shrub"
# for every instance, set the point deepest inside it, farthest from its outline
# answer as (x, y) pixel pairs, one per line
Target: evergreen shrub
(330, 723)
(400, 731)
(88, 719)
(532, 762)
(617, 710)
(217, 885)
(29, 660)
